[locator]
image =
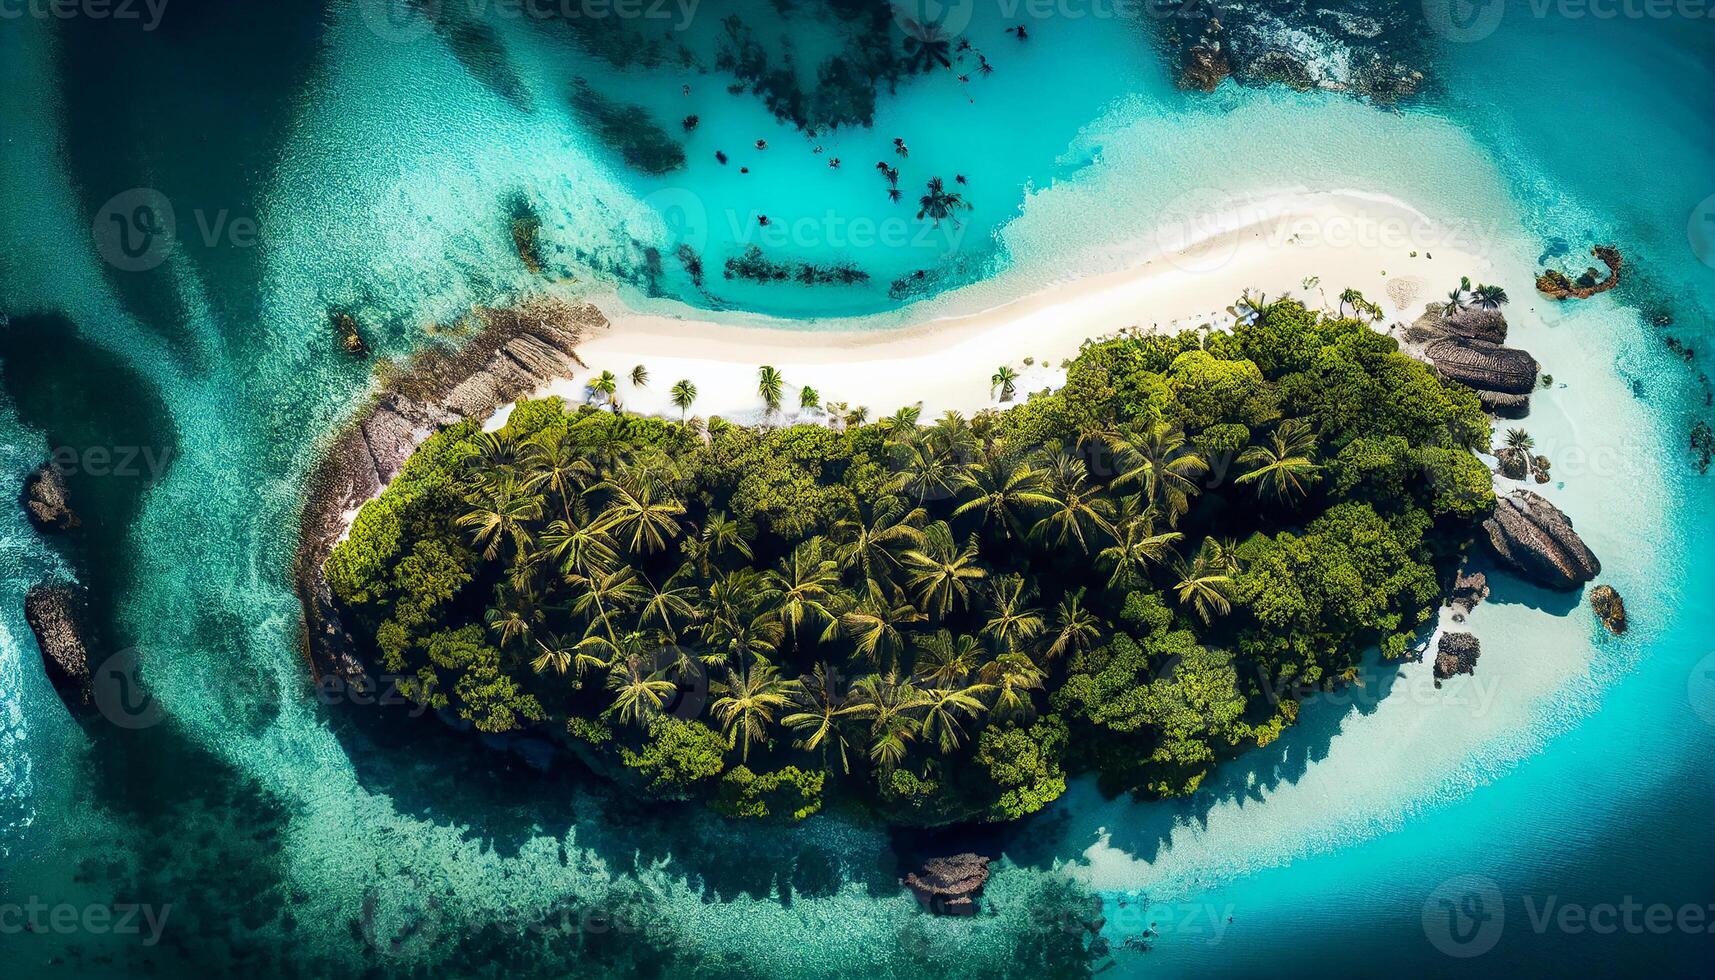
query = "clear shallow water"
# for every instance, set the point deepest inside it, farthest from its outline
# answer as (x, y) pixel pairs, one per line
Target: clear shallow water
(287, 832)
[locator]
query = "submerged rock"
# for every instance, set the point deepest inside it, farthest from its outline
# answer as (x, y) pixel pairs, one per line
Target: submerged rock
(1456, 653)
(1205, 63)
(1483, 365)
(45, 500)
(1515, 463)
(1610, 608)
(350, 340)
(1556, 285)
(57, 614)
(1536, 540)
(950, 885)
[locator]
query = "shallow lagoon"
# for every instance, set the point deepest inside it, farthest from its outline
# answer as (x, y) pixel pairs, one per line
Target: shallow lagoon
(284, 831)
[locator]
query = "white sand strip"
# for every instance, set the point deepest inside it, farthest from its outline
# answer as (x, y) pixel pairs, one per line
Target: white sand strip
(1272, 246)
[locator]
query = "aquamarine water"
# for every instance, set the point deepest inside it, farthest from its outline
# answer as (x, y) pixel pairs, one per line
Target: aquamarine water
(382, 174)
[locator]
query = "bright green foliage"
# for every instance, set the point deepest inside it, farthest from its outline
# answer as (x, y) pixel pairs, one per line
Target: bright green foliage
(937, 620)
(790, 794)
(679, 758)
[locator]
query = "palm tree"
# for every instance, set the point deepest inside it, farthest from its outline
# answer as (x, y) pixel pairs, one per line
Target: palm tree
(748, 701)
(1003, 492)
(821, 711)
(577, 548)
(722, 535)
(1205, 583)
(1284, 465)
(945, 660)
(640, 692)
(1075, 628)
(1006, 379)
(640, 377)
(671, 607)
(1158, 459)
(1455, 301)
(597, 599)
(1520, 440)
(769, 384)
(870, 538)
(1248, 310)
(940, 204)
(941, 571)
(941, 710)
(1490, 297)
(1136, 547)
(606, 385)
(736, 625)
(633, 509)
(551, 462)
(805, 588)
(902, 424)
(1080, 511)
(684, 396)
(873, 626)
(1012, 676)
(1013, 622)
(888, 704)
(926, 46)
(808, 399)
(555, 654)
(504, 516)
(926, 468)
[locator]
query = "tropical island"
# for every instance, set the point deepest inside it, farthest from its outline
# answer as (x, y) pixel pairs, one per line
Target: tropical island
(935, 621)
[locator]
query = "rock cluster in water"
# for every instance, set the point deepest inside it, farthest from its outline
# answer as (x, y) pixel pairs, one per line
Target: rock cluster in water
(1536, 540)
(45, 500)
(57, 614)
(1456, 653)
(950, 885)
(1556, 285)
(515, 352)
(1610, 608)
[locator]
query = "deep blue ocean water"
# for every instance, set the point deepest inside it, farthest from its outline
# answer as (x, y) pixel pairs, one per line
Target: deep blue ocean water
(316, 157)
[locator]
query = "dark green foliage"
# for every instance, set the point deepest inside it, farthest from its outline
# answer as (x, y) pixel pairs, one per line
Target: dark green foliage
(942, 621)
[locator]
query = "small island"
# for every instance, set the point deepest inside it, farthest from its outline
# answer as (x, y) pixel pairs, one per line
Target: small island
(933, 620)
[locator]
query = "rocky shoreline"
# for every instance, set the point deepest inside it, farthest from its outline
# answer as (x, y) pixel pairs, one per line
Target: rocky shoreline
(514, 352)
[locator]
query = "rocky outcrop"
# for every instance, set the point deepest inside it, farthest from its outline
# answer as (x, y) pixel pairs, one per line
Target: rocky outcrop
(1556, 285)
(1503, 405)
(1205, 64)
(45, 500)
(345, 330)
(1455, 653)
(514, 352)
(1537, 541)
(1484, 366)
(1610, 608)
(1470, 323)
(1469, 589)
(950, 885)
(58, 615)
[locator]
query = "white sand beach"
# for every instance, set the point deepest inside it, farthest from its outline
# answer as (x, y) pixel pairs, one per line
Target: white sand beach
(1188, 275)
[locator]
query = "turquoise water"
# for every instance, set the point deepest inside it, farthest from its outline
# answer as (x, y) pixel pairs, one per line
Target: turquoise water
(290, 836)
